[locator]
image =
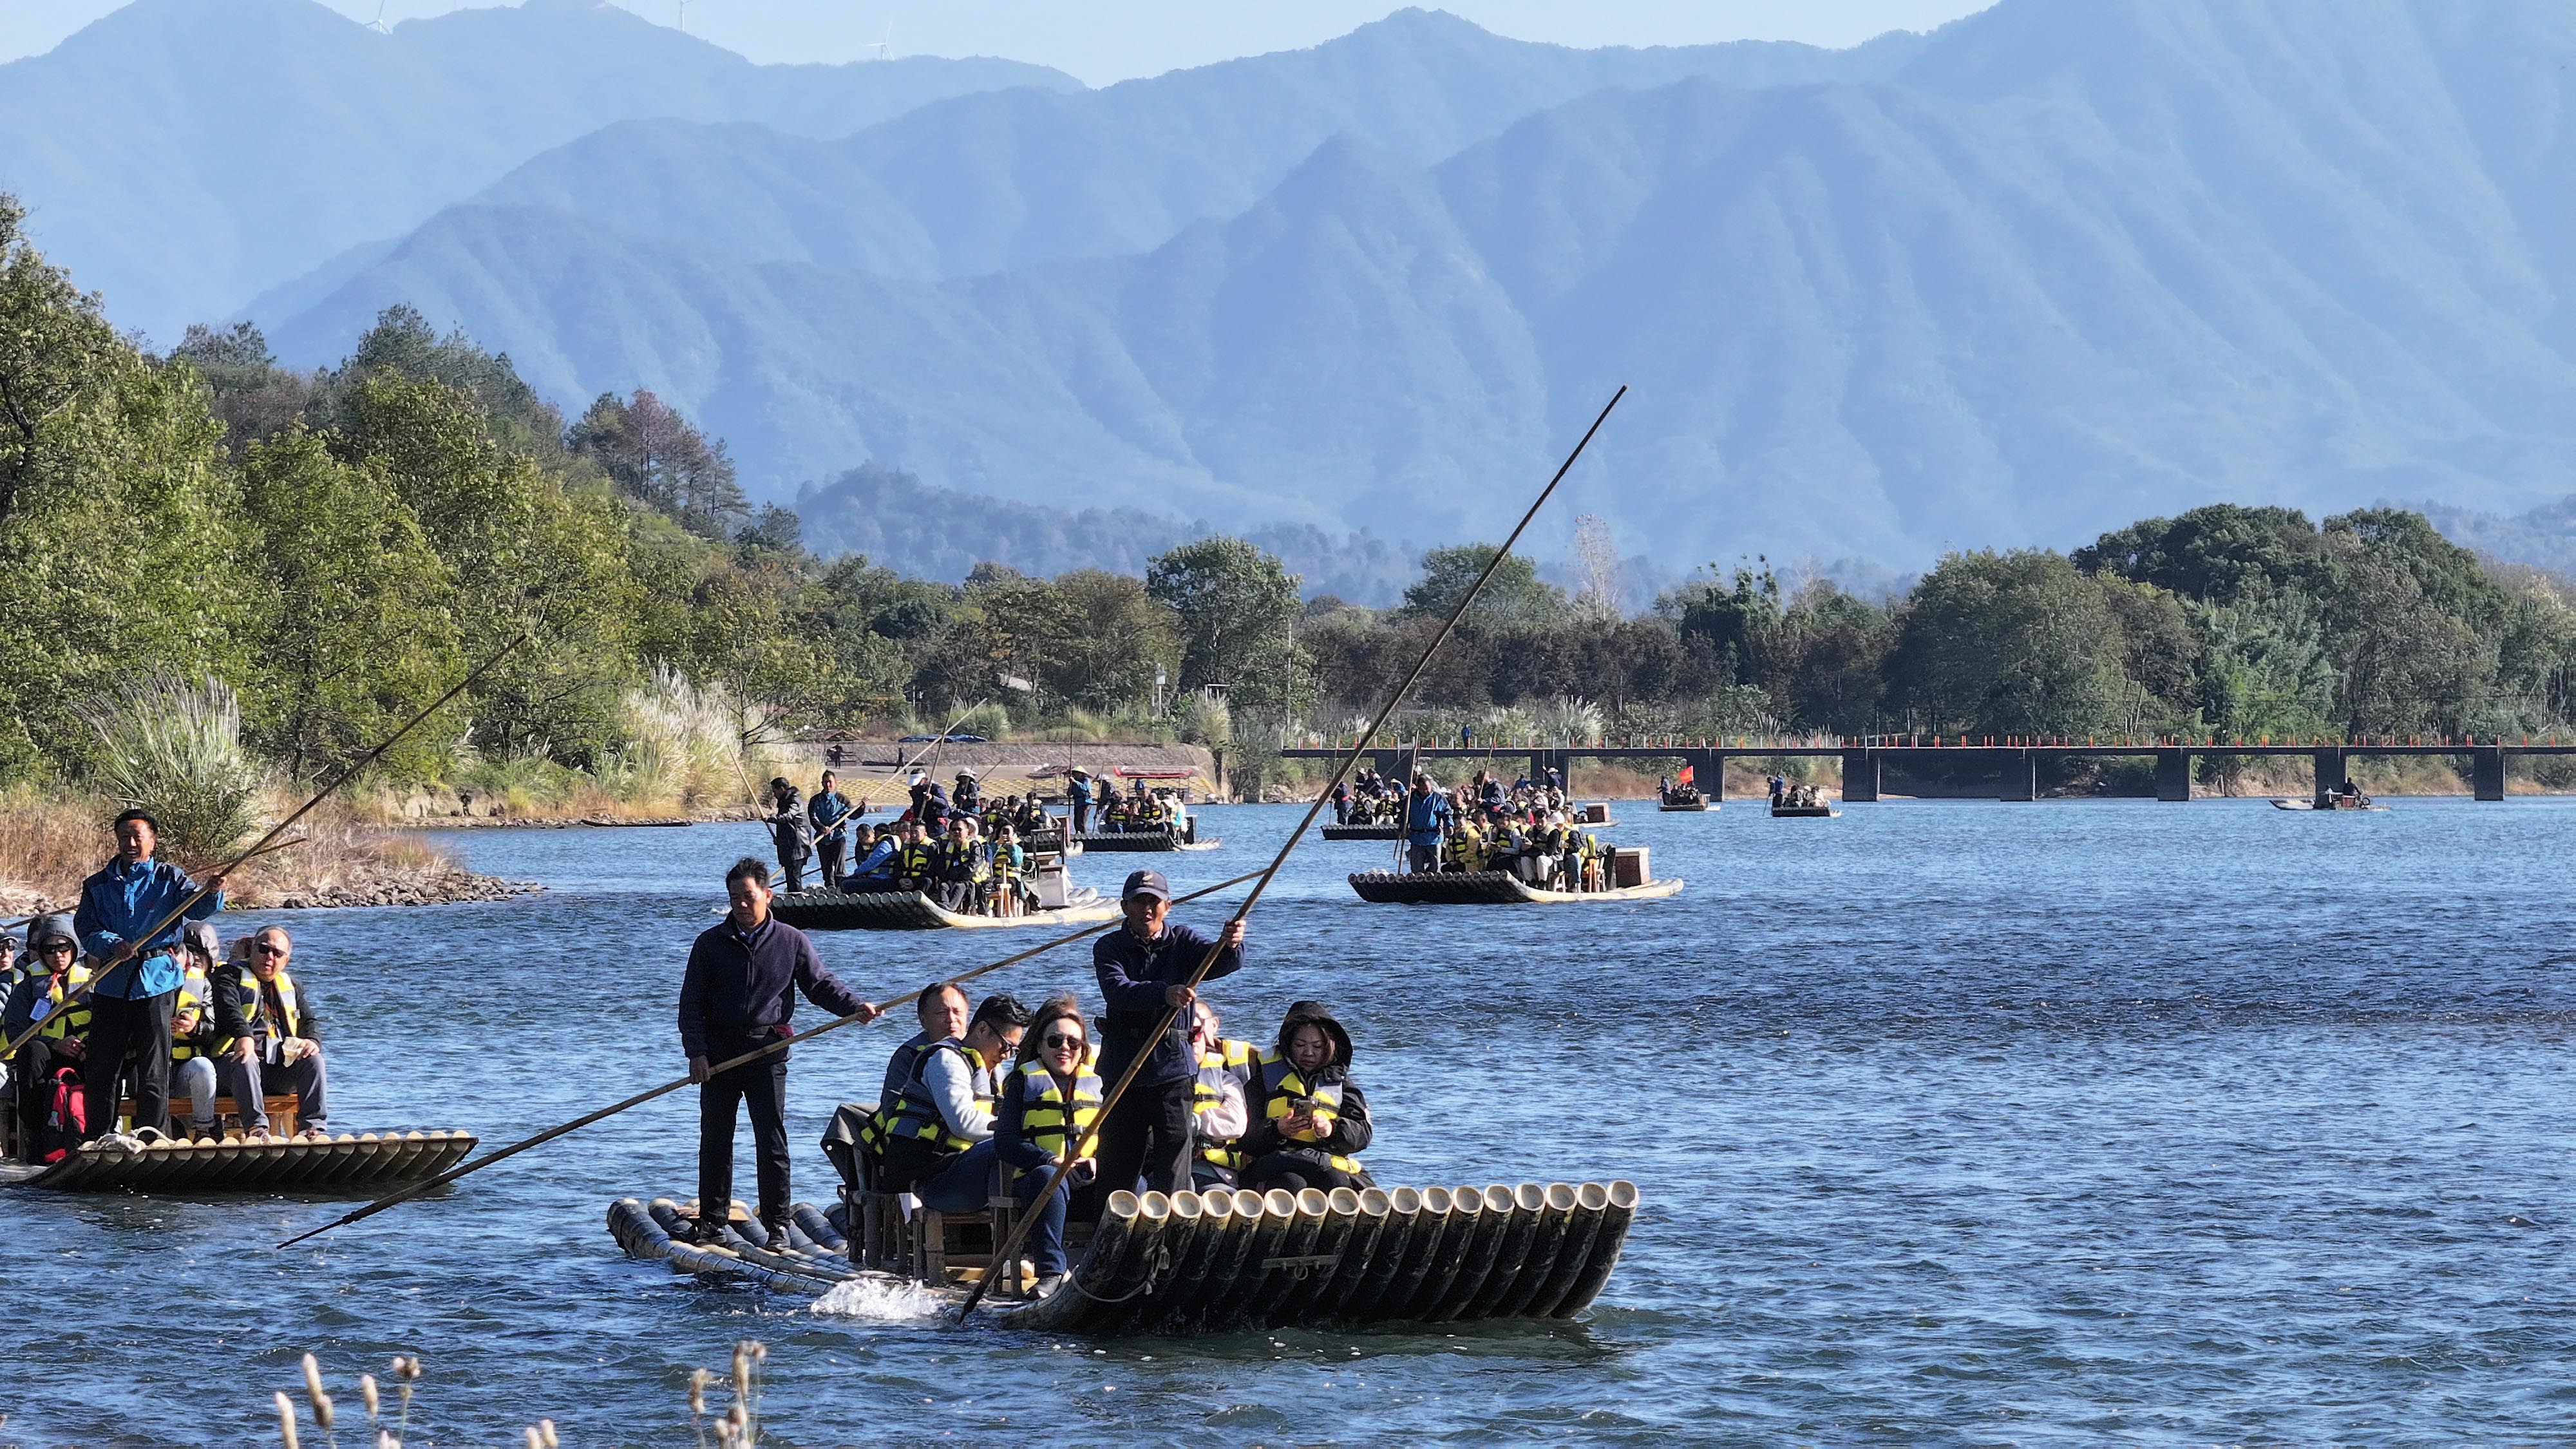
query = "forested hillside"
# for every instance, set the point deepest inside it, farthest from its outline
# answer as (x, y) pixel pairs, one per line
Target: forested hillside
(339, 545)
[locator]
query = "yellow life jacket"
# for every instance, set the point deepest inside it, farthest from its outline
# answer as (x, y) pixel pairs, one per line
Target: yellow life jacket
(254, 1008)
(194, 995)
(917, 862)
(1043, 1109)
(1230, 1059)
(1282, 1085)
(916, 1115)
(58, 1022)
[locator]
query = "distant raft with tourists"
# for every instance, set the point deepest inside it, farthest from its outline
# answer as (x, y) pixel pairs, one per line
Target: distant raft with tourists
(885, 906)
(1215, 1260)
(1800, 802)
(2346, 796)
(1674, 796)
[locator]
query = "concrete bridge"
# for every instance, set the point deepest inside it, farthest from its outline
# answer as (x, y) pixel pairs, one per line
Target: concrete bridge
(1865, 760)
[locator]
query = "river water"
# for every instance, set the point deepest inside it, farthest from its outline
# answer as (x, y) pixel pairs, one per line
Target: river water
(1954, 1121)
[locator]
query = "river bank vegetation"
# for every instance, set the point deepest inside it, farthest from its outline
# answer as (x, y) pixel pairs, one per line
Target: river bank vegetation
(332, 549)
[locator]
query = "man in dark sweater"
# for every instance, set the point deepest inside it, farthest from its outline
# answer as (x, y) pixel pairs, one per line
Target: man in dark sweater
(1144, 967)
(735, 998)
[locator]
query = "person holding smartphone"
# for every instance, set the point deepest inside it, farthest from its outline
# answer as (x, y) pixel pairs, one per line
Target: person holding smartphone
(267, 1033)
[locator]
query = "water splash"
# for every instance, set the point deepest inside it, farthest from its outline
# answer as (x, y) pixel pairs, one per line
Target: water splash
(882, 1300)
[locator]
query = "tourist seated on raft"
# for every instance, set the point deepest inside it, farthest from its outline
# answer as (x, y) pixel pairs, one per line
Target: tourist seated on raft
(942, 1010)
(965, 867)
(1012, 892)
(196, 1073)
(939, 1143)
(1054, 1082)
(916, 864)
(56, 971)
(1220, 1101)
(873, 854)
(267, 1036)
(968, 796)
(1312, 1122)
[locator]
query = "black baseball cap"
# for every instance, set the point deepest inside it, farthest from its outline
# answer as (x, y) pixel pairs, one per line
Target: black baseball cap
(1146, 883)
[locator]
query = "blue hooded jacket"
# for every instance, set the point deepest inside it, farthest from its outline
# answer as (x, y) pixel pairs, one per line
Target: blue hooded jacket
(119, 904)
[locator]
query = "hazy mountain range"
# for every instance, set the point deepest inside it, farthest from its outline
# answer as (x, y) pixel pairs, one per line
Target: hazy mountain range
(2062, 264)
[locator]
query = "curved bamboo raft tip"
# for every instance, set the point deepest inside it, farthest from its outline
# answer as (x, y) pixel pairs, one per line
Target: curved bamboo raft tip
(363, 1161)
(1490, 888)
(1228, 1259)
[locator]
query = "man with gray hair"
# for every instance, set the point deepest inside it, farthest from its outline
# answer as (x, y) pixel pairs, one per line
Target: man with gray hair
(266, 1030)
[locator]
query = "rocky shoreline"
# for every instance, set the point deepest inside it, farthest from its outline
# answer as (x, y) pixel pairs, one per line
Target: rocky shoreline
(450, 887)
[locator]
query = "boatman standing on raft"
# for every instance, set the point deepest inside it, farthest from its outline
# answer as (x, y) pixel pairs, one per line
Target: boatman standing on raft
(1144, 968)
(740, 988)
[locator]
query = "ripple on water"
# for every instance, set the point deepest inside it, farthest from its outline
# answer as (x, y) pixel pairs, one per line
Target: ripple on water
(1953, 1121)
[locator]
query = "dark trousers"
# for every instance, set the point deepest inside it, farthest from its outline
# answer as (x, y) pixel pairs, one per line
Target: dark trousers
(791, 871)
(1081, 816)
(121, 1028)
(35, 1068)
(832, 848)
(1148, 1136)
(1295, 1172)
(761, 1086)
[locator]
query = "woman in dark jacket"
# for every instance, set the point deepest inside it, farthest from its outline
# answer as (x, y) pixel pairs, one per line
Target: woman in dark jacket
(790, 832)
(1053, 1094)
(1310, 1120)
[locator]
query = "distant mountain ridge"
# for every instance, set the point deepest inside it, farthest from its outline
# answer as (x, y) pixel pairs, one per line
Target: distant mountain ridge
(2061, 265)
(184, 156)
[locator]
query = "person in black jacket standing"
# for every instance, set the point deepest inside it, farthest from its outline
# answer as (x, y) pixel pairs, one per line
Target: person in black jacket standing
(1144, 967)
(736, 997)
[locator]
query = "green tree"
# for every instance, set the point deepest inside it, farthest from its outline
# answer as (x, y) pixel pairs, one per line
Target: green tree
(2016, 643)
(1515, 597)
(116, 515)
(353, 605)
(1238, 608)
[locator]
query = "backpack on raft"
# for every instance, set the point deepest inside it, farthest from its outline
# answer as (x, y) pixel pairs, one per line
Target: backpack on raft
(66, 1117)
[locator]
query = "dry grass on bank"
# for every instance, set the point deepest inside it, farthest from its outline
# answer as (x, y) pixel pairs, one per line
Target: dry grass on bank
(50, 842)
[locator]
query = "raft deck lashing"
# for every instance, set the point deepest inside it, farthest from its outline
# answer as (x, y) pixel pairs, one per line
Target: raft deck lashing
(367, 1159)
(1231, 1259)
(896, 910)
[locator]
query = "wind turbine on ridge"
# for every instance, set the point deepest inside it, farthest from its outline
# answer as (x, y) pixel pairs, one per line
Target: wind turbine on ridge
(885, 48)
(378, 24)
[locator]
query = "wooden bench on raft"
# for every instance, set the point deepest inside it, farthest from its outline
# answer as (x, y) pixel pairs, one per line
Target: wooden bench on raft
(282, 1107)
(934, 1247)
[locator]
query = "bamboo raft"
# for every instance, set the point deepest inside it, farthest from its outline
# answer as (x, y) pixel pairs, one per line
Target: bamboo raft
(366, 1160)
(1804, 812)
(1364, 832)
(1132, 840)
(892, 910)
(2366, 805)
(1490, 888)
(1226, 1259)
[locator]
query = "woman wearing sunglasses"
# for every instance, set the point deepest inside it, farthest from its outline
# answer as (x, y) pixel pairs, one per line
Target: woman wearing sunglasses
(1052, 1096)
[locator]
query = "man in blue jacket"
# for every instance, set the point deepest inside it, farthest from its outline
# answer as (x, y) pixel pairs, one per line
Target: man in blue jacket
(1078, 791)
(829, 813)
(1426, 822)
(139, 978)
(1144, 967)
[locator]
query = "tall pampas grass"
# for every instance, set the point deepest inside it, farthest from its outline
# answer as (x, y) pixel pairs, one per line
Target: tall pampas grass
(173, 748)
(684, 741)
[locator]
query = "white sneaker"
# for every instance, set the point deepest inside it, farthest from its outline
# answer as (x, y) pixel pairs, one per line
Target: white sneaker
(1046, 1287)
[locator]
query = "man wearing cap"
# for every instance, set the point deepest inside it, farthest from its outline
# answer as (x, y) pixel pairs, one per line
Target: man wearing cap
(138, 983)
(1144, 969)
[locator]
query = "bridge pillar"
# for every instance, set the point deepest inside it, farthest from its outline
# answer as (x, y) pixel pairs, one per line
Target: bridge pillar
(2021, 775)
(2486, 772)
(1389, 763)
(1708, 772)
(2331, 774)
(2173, 775)
(1860, 776)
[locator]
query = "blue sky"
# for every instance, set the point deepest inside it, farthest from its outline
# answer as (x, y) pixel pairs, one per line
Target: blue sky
(1108, 42)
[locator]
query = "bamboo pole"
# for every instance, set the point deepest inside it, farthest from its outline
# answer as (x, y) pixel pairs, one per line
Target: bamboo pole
(1171, 1013)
